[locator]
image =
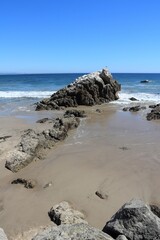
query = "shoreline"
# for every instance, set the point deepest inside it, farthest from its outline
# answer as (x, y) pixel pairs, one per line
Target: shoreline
(112, 151)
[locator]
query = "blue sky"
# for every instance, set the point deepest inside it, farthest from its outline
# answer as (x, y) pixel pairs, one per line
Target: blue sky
(79, 35)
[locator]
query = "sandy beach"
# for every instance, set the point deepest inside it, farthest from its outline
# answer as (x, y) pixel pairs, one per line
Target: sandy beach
(113, 152)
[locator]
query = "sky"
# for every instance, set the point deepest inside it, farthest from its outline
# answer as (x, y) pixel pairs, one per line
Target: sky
(55, 36)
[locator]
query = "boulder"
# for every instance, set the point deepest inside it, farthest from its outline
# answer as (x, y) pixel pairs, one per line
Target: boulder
(63, 213)
(154, 114)
(3, 235)
(91, 89)
(135, 221)
(77, 231)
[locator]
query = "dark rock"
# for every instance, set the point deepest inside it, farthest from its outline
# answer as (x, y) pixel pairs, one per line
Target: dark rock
(144, 81)
(75, 113)
(133, 99)
(101, 194)
(134, 109)
(155, 209)
(152, 106)
(124, 148)
(27, 183)
(125, 109)
(98, 110)
(95, 88)
(43, 120)
(134, 220)
(79, 231)
(154, 114)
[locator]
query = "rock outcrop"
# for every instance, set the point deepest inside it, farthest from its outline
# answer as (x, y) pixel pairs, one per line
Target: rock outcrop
(91, 89)
(63, 213)
(77, 231)
(155, 113)
(135, 221)
(33, 142)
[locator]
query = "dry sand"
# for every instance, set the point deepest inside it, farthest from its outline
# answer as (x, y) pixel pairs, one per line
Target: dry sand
(114, 152)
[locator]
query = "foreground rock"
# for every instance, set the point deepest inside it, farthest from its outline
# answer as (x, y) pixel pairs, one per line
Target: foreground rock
(63, 213)
(77, 231)
(3, 235)
(136, 221)
(32, 143)
(95, 88)
(155, 113)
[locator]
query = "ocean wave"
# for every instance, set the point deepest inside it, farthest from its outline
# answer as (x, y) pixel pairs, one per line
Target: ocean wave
(25, 94)
(142, 97)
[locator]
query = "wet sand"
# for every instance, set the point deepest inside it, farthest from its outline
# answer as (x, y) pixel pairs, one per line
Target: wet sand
(114, 152)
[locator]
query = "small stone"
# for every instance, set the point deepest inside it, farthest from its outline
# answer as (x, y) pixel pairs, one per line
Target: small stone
(101, 195)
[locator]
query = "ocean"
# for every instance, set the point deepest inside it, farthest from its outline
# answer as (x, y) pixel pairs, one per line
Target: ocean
(21, 92)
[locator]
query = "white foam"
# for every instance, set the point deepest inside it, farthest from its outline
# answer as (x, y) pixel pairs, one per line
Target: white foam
(29, 94)
(142, 97)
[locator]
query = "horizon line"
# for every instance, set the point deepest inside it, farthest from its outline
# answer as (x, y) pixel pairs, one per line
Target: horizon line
(45, 73)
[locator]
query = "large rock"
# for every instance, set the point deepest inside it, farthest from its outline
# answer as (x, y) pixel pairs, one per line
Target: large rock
(79, 231)
(33, 142)
(63, 213)
(136, 221)
(155, 113)
(94, 88)
(3, 235)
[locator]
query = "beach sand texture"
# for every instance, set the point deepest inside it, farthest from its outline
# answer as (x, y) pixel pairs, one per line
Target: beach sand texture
(112, 152)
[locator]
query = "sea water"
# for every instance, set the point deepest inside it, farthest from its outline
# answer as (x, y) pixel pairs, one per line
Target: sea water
(132, 86)
(21, 92)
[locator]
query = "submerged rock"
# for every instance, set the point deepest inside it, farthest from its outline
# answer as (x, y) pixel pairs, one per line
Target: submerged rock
(94, 88)
(63, 213)
(79, 231)
(136, 221)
